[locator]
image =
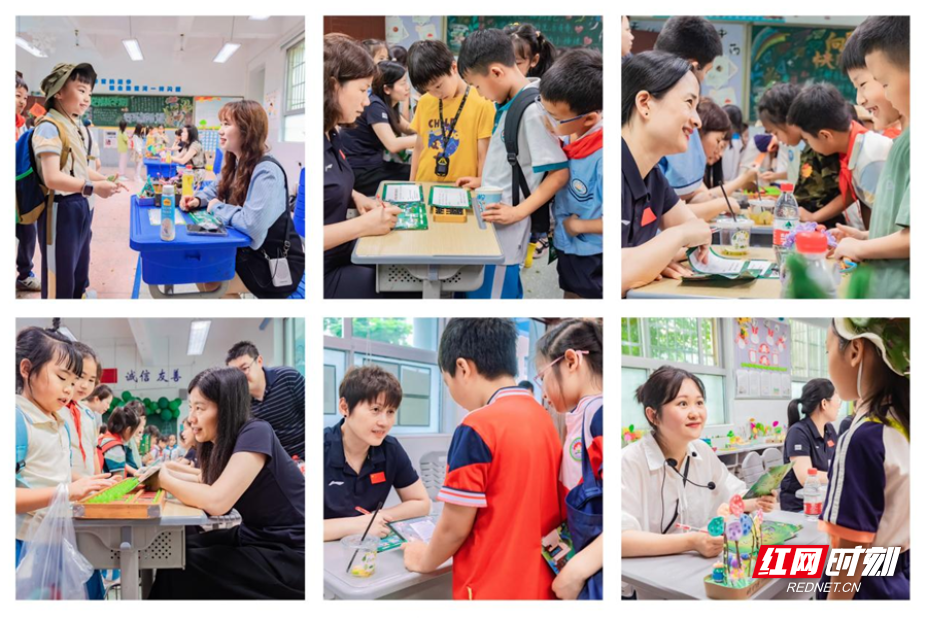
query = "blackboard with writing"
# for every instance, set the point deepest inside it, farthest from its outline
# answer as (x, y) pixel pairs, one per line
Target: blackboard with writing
(561, 31)
(798, 55)
(107, 110)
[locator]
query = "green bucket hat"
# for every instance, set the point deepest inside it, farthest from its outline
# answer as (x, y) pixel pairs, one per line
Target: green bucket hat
(892, 337)
(55, 81)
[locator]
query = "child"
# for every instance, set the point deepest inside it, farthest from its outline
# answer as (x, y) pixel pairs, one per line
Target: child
(93, 147)
(827, 128)
(134, 443)
(487, 63)
(377, 49)
(139, 138)
(815, 176)
(870, 95)
(188, 443)
(868, 501)
(99, 400)
(122, 146)
(22, 99)
(734, 154)
(26, 281)
(500, 491)
(534, 53)
(65, 273)
(569, 363)
(886, 248)
(112, 447)
(47, 370)
(453, 122)
(363, 463)
(571, 93)
(82, 421)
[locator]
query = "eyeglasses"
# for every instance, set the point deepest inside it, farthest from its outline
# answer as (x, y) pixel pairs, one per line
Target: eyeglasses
(539, 378)
(247, 368)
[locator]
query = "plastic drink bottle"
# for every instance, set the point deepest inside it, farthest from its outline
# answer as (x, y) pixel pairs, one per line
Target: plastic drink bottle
(814, 501)
(167, 213)
(785, 218)
(187, 187)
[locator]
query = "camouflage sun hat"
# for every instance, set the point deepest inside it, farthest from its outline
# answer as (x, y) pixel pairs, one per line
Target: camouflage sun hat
(55, 81)
(892, 337)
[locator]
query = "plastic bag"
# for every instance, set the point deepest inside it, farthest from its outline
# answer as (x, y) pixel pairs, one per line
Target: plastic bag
(51, 566)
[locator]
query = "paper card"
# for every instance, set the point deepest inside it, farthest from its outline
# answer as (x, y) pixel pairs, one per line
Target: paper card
(450, 197)
(402, 193)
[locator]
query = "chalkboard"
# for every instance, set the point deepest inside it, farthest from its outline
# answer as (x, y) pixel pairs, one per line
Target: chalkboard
(797, 55)
(561, 31)
(173, 111)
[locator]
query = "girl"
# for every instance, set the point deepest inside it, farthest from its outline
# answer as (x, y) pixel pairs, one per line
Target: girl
(348, 72)
(243, 466)
(811, 441)
(868, 500)
(122, 145)
(99, 400)
(113, 446)
(658, 116)
(377, 49)
(48, 368)
(82, 422)
(671, 476)
(139, 139)
(569, 360)
(134, 443)
(627, 38)
(188, 444)
(380, 128)
(734, 153)
(192, 153)
(252, 196)
(534, 54)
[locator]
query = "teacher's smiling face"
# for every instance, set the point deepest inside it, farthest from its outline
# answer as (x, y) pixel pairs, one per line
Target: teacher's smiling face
(682, 418)
(229, 135)
(204, 417)
(672, 120)
(353, 97)
(369, 421)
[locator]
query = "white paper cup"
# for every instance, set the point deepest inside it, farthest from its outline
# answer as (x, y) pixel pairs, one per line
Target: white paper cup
(488, 195)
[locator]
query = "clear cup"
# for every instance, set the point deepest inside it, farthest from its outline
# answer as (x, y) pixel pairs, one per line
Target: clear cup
(735, 235)
(365, 560)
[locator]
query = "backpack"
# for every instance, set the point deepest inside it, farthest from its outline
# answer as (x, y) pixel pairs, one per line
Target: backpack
(32, 197)
(540, 218)
(103, 448)
(22, 444)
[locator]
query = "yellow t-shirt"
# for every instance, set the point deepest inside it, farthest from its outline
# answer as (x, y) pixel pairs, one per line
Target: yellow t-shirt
(475, 123)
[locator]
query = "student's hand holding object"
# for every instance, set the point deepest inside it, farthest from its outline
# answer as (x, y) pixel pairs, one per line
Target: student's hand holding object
(414, 554)
(189, 202)
(706, 545)
(83, 487)
(846, 231)
(501, 214)
(849, 248)
(469, 182)
(105, 188)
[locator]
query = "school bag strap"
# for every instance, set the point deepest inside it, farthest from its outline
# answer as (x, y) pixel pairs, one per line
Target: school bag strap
(286, 206)
(521, 102)
(63, 136)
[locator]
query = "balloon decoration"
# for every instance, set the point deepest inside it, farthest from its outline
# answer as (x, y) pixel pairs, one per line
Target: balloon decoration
(162, 408)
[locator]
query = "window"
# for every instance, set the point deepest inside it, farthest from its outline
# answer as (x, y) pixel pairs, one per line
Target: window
(809, 351)
(294, 110)
(294, 349)
(631, 337)
(682, 340)
(419, 411)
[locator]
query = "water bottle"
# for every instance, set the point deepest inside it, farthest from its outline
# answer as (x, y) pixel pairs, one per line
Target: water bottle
(814, 499)
(187, 186)
(812, 246)
(167, 213)
(785, 218)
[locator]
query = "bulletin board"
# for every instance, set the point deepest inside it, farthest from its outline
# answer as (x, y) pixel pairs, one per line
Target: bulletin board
(206, 111)
(405, 30)
(561, 31)
(796, 54)
(107, 110)
(762, 358)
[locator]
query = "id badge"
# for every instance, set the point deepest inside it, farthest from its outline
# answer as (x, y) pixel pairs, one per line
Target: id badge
(441, 166)
(280, 270)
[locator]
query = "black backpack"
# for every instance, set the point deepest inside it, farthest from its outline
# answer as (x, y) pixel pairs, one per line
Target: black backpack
(540, 218)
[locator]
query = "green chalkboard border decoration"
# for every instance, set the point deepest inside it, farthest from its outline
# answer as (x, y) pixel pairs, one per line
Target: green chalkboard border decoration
(562, 31)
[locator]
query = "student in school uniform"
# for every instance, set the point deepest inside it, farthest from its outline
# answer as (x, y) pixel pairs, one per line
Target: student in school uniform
(810, 441)
(252, 196)
(82, 422)
(869, 92)
(868, 501)
(26, 281)
(501, 491)
(278, 396)
(113, 446)
(363, 463)
(242, 466)
(349, 71)
(658, 117)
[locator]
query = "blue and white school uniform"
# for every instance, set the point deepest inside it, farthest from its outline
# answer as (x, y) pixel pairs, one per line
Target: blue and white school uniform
(685, 170)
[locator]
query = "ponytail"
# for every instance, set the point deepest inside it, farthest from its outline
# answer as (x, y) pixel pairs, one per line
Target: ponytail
(812, 394)
(577, 335)
(528, 42)
(794, 405)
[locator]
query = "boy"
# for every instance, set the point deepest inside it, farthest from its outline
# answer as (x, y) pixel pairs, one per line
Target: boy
(869, 93)
(828, 128)
(500, 491)
(886, 248)
(487, 62)
(453, 122)
(26, 281)
(65, 227)
(816, 175)
(571, 93)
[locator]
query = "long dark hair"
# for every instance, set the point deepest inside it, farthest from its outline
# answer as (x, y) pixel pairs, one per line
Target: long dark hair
(388, 73)
(344, 60)
(528, 41)
(662, 387)
(576, 335)
(193, 135)
(893, 396)
(122, 419)
(228, 389)
(251, 120)
(812, 394)
(653, 72)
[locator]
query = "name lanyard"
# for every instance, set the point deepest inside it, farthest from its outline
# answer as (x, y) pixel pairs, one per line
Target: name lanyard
(442, 163)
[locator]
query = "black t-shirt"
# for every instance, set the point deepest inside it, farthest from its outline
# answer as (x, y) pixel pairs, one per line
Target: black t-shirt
(362, 145)
(339, 183)
(386, 466)
(272, 509)
(644, 201)
(803, 440)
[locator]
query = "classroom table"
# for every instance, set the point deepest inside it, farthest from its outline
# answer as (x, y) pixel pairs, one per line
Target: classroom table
(755, 288)
(760, 236)
(390, 580)
(446, 256)
(186, 259)
(156, 168)
(134, 545)
(681, 576)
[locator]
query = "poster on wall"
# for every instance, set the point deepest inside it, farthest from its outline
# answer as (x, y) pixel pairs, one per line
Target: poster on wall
(207, 111)
(405, 30)
(762, 358)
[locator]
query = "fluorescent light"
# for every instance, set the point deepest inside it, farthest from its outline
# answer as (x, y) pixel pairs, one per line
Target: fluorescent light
(199, 332)
(226, 52)
(29, 47)
(133, 49)
(259, 17)
(64, 330)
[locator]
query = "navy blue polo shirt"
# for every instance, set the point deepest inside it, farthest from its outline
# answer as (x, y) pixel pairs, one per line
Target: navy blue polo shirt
(386, 466)
(339, 183)
(804, 440)
(284, 407)
(644, 201)
(362, 145)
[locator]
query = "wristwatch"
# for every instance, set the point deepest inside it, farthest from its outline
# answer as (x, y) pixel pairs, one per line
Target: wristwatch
(87, 191)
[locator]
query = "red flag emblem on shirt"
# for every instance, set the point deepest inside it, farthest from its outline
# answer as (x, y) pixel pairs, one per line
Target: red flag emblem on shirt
(377, 478)
(648, 217)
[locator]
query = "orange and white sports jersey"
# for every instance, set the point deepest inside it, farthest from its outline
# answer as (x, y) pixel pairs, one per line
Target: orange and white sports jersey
(504, 459)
